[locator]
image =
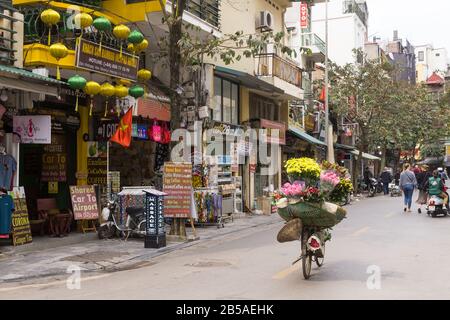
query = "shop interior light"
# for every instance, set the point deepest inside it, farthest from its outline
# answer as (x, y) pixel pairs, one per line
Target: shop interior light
(3, 96)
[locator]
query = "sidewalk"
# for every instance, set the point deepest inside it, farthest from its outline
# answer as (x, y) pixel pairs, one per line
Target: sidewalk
(52, 256)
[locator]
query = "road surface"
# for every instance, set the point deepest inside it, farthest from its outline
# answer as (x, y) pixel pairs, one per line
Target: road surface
(379, 252)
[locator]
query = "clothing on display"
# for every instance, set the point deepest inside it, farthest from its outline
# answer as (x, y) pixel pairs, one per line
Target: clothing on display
(8, 167)
(6, 209)
(208, 206)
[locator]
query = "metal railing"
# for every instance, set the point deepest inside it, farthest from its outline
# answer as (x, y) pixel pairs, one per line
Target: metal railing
(270, 64)
(350, 6)
(7, 34)
(207, 10)
(310, 40)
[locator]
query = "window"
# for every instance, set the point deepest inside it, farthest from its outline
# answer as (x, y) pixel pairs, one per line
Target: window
(263, 108)
(421, 56)
(226, 101)
(438, 54)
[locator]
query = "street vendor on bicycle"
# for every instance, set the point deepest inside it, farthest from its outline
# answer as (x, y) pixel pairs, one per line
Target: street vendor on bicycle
(436, 187)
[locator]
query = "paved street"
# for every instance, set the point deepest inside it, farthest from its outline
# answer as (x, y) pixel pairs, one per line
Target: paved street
(410, 250)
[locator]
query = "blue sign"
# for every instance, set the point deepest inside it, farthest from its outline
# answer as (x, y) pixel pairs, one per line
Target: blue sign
(140, 131)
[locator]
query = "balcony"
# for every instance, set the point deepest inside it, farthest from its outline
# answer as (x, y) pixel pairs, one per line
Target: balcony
(350, 6)
(9, 37)
(272, 65)
(207, 10)
(317, 46)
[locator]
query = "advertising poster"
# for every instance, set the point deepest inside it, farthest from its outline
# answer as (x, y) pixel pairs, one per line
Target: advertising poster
(84, 202)
(33, 129)
(177, 183)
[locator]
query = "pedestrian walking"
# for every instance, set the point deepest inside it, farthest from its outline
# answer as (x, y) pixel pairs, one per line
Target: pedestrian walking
(407, 184)
(422, 179)
(386, 178)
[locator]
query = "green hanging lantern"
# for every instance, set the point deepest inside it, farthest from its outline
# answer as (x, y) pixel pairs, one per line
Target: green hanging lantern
(76, 83)
(136, 91)
(103, 25)
(135, 37)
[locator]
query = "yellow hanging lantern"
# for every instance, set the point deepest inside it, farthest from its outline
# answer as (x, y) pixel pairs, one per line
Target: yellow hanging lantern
(50, 18)
(91, 88)
(58, 51)
(121, 32)
(107, 90)
(142, 46)
(131, 48)
(82, 20)
(120, 92)
(144, 75)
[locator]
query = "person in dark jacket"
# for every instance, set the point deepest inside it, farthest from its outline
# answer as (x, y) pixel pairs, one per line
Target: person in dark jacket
(367, 175)
(386, 178)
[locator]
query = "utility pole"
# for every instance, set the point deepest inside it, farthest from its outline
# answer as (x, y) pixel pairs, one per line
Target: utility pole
(328, 132)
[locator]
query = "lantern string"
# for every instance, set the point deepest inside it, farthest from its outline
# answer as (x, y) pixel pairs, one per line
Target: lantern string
(92, 105)
(76, 101)
(49, 34)
(106, 108)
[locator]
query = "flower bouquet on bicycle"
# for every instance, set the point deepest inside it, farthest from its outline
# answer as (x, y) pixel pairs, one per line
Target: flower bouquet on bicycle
(306, 203)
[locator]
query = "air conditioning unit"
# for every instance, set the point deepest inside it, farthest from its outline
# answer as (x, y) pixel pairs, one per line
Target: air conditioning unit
(265, 21)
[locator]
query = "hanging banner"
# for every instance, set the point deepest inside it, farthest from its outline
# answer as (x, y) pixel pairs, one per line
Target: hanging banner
(20, 224)
(303, 15)
(33, 129)
(177, 183)
(84, 202)
(107, 60)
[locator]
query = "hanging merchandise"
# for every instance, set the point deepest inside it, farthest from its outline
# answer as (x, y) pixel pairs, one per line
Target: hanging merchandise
(6, 210)
(91, 88)
(209, 207)
(8, 168)
(58, 51)
(120, 92)
(50, 18)
(155, 132)
(82, 20)
(107, 90)
(166, 137)
(121, 32)
(135, 37)
(102, 25)
(76, 83)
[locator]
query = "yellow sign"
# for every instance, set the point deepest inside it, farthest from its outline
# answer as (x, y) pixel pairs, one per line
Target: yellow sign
(53, 187)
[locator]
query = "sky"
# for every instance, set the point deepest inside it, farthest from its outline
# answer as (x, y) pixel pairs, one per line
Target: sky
(420, 21)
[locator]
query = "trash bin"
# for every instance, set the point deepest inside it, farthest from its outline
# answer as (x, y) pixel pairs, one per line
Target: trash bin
(5, 221)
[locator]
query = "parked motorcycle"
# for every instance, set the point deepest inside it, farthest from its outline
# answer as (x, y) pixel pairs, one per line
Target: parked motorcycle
(134, 223)
(435, 207)
(394, 189)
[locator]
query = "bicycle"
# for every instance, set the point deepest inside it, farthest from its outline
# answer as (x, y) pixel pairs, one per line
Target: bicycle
(313, 249)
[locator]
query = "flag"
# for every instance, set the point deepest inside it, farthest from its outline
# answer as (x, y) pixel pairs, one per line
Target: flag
(322, 94)
(122, 135)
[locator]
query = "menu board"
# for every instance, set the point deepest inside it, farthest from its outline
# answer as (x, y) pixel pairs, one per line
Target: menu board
(54, 160)
(84, 202)
(97, 163)
(177, 183)
(20, 224)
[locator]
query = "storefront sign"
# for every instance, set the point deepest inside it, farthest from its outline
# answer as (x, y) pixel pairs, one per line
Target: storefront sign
(106, 60)
(97, 165)
(84, 202)
(177, 183)
(139, 131)
(276, 131)
(54, 160)
(303, 15)
(33, 129)
(104, 130)
(226, 129)
(21, 232)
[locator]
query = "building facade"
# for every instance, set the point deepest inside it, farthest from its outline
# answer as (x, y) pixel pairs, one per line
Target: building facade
(429, 60)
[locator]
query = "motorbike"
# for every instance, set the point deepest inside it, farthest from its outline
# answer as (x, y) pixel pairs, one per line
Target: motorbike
(371, 188)
(379, 186)
(394, 190)
(134, 223)
(435, 207)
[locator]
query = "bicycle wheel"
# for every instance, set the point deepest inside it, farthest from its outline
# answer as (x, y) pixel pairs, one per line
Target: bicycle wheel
(320, 261)
(307, 257)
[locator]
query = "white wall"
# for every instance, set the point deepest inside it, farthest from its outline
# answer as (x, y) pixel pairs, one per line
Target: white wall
(434, 60)
(345, 31)
(439, 60)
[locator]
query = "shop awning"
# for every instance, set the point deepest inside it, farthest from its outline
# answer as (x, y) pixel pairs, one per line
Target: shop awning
(20, 79)
(246, 80)
(344, 147)
(365, 155)
(303, 135)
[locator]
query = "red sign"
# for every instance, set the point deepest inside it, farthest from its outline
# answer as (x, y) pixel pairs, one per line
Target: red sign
(303, 15)
(276, 131)
(177, 183)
